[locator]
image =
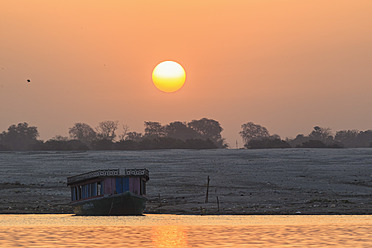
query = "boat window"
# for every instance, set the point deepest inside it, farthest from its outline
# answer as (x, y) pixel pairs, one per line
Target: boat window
(83, 191)
(99, 188)
(143, 187)
(80, 189)
(93, 187)
(72, 194)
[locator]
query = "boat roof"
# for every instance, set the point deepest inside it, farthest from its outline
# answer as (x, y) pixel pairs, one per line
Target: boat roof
(108, 173)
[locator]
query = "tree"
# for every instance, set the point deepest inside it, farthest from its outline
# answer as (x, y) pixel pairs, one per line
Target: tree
(200, 144)
(24, 131)
(59, 138)
(208, 129)
(20, 137)
(364, 138)
(313, 144)
(179, 130)
(124, 133)
(126, 145)
(322, 134)
(106, 130)
(251, 131)
(298, 141)
(82, 132)
(2, 146)
(64, 145)
(134, 136)
(347, 137)
(154, 129)
(102, 144)
(265, 143)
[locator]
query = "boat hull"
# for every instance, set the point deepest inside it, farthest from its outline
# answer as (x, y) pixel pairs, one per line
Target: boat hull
(125, 203)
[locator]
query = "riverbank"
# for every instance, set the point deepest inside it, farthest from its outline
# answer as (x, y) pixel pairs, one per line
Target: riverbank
(25, 202)
(34, 198)
(241, 182)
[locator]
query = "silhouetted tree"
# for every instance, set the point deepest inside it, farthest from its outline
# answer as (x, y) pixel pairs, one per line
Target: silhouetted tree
(3, 147)
(319, 144)
(127, 145)
(313, 144)
(64, 145)
(134, 136)
(169, 143)
(154, 129)
(59, 138)
(179, 130)
(364, 138)
(322, 134)
(124, 133)
(106, 130)
(347, 137)
(265, 143)
(83, 132)
(19, 137)
(148, 144)
(200, 144)
(251, 131)
(208, 129)
(102, 144)
(298, 141)
(318, 138)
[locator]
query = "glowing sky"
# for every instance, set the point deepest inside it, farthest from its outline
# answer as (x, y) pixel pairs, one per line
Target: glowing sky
(287, 65)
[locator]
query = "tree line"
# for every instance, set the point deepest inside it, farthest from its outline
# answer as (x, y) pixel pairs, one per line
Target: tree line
(256, 136)
(196, 134)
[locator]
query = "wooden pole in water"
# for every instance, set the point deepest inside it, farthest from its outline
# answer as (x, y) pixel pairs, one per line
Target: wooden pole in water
(206, 196)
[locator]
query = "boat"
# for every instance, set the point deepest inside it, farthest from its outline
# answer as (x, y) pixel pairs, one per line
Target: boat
(109, 192)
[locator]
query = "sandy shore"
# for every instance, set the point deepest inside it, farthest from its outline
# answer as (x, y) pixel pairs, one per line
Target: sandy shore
(240, 182)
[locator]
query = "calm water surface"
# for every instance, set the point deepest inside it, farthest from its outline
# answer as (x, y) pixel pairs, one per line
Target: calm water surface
(185, 231)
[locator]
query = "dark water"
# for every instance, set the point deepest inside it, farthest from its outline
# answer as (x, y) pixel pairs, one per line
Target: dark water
(185, 231)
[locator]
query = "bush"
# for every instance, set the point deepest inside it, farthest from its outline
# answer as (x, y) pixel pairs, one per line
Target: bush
(319, 144)
(126, 145)
(267, 143)
(102, 144)
(62, 145)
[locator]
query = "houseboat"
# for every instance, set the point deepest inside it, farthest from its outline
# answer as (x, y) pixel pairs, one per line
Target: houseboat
(109, 192)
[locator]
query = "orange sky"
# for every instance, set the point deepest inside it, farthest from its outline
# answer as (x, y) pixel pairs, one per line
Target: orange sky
(287, 65)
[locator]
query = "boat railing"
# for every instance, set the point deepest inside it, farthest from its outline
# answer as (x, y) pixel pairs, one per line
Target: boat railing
(108, 172)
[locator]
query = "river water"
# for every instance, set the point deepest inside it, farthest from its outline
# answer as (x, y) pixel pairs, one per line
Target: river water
(186, 231)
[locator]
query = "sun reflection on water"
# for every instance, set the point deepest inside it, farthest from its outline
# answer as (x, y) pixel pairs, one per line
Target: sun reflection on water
(162, 231)
(169, 236)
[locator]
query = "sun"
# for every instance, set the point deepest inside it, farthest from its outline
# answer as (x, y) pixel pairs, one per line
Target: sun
(169, 76)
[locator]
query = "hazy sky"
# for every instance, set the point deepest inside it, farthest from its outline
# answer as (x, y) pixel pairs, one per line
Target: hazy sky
(285, 64)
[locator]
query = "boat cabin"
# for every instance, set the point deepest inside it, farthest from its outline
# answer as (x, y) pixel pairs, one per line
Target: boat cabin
(101, 183)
